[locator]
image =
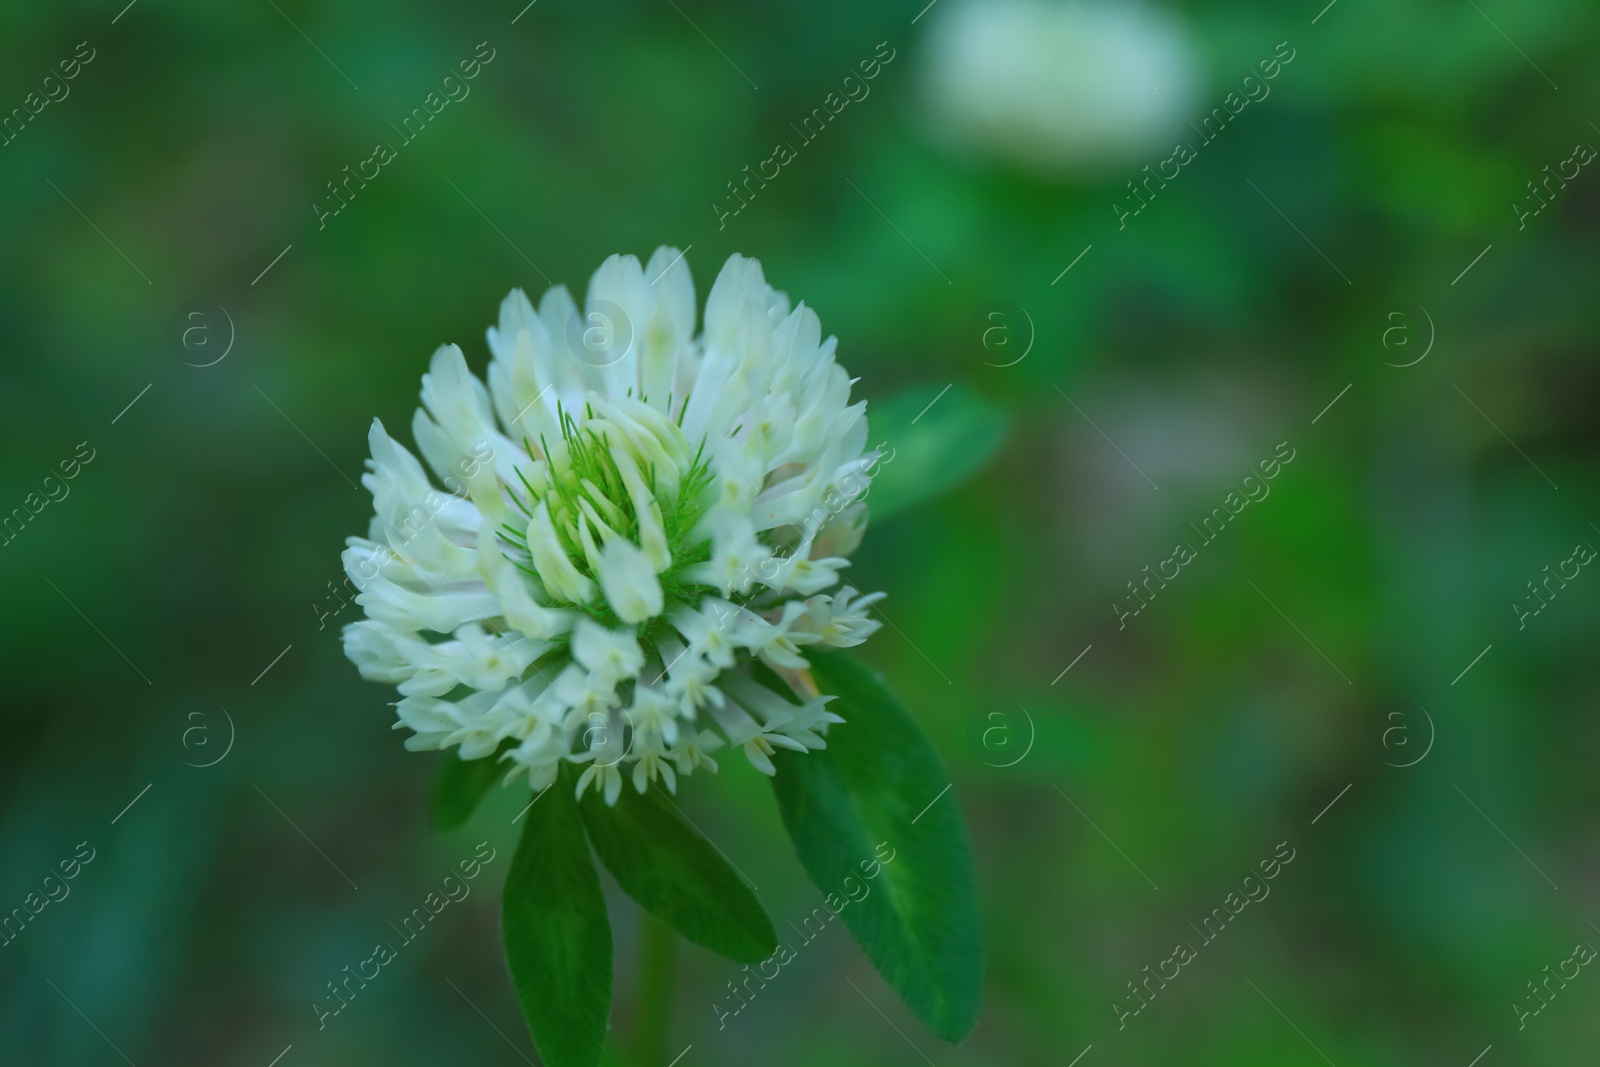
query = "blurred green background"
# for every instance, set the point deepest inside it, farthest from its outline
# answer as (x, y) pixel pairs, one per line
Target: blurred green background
(200, 540)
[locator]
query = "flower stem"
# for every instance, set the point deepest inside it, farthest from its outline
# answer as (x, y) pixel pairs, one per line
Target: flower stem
(657, 949)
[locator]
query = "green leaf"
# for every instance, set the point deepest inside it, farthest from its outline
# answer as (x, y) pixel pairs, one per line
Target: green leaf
(461, 785)
(918, 921)
(677, 875)
(934, 448)
(557, 934)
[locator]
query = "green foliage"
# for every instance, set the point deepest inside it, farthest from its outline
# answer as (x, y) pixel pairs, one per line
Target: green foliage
(876, 784)
(677, 875)
(935, 448)
(461, 785)
(557, 933)
(1196, 338)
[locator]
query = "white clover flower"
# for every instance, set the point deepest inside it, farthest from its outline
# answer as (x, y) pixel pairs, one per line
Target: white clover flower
(636, 516)
(1058, 87)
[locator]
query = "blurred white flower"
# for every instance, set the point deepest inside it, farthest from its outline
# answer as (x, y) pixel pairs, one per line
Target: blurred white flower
(636, 523)
(1057, 86)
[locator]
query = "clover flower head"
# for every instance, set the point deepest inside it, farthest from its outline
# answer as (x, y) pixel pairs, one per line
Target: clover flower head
(1034, 82)
(633, 519)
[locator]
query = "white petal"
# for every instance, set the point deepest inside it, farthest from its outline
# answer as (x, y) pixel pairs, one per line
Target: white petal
(550, 560)
(629, 582)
